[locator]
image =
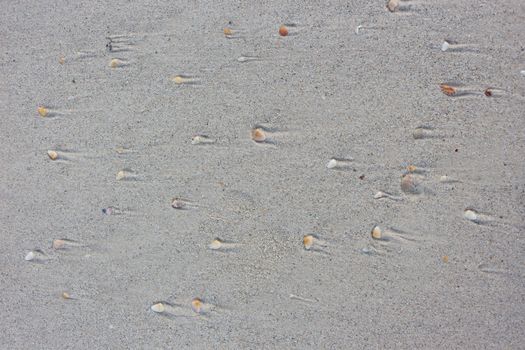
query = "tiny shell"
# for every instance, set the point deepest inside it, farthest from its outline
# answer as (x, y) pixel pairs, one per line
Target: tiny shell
(411, 184)
(418, 134)
(196, 305)
(258, 135)
(308, 242)
(53, 155)
(471, 215)
(58, 244)
(120, 175)
(283, 31)
(158, 308)
(30, 256)
(178, 79)
(331, 164)
(43, 111)
(66, 295)
(178, 203)
(115, 63)
(215, 244)
(448, 90)
(376, 233)
(201, 139)
(227, 32)
(445, 46)
(380, 194)
(411, 168)
(392, 5)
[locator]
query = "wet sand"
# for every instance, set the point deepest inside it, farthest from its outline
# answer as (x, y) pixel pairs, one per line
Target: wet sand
(435, 275)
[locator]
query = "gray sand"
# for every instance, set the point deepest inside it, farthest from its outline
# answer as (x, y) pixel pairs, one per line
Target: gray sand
(326, 92)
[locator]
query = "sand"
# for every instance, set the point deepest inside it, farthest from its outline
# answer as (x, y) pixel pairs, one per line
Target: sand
(436, 278)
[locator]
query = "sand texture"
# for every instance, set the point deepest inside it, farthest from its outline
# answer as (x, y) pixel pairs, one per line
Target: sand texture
(319, 190)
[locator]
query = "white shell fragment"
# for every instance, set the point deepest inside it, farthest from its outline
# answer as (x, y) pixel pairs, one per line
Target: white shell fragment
(331, 164)
(30, 256)
(34, 255)
(216, 244)
(381, 195)
(158, 308)
(471, 215)
(339, 163)
(201, 139)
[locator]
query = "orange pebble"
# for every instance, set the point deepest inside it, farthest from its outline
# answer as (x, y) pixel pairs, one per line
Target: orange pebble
(445, 258)
(283, 31)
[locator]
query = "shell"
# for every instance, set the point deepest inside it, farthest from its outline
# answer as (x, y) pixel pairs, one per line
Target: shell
(196, 305)
(30, 256)
(120, 175)
(471, 215)
(200, 139)
(66, 295)
(419, 133)
(380, 194)
(59, 244)
(53, 155)
(43, 111)
(177, 203)
(448, 90)
(158, 308)
(376, 233)
(227, 32)
(411, 168)
(283, 31)
(392, 5)
(178, 79)
(115, 63)
(411, 184)
(331, 164)
(308, 242)
(445, 46)
(215, 244)
(258, 135)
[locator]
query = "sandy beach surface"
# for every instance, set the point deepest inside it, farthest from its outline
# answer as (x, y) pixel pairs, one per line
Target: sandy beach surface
(279, 244)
